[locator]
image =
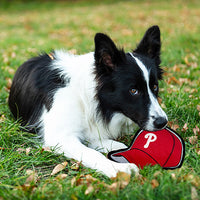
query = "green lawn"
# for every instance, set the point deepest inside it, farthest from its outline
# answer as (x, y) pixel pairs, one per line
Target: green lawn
(31, 27)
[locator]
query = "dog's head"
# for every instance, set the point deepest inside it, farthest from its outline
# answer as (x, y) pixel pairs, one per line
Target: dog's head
(127, 83)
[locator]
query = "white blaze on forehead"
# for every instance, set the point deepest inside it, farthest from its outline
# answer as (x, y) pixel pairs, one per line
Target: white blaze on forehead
(143, 68)
(155, 110)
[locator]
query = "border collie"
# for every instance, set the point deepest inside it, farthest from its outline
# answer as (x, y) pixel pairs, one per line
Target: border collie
(82, 102)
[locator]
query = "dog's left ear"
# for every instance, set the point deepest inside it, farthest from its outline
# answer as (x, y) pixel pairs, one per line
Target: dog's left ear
(150, 44)
(107, 56)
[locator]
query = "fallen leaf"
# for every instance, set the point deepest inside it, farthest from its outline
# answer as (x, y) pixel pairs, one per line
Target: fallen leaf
(26, 187)
(173, 175)
(171, 80)
(90, 179)
(46, 149)
(2, 148)
(121, 181)
(28, 150)
(32, 176)
(195, 180)
(157, 173)
(9, 83)
(159, 100)
(10, 70)
(75, 166)
(73, 182)
(59, 168)
(193, 139)
(61, 176)
(176, 68)
(2, 118)
(175, 126)
(154, 183)
(196, 130)
(89, 189)
(114, 187)
(198, 151)
(198, 107)
(194, 194)
(185, 127)
(73, 51)
(19, 150)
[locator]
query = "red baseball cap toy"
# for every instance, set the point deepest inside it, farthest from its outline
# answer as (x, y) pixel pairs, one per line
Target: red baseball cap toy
(164, 147)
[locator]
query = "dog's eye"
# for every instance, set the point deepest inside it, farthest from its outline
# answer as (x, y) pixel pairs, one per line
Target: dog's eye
(133, 91)
(155, 88)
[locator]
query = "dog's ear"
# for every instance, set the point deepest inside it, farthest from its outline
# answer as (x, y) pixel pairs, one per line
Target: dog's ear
(107, 56)
(150, 44)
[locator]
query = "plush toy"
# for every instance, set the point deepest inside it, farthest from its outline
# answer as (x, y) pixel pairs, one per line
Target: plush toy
(164, 147)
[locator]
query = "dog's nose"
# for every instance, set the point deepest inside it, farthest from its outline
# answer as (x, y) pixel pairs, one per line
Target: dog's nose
(160, 122)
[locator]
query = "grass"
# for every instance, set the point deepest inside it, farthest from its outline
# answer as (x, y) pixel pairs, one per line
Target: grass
(30, 27)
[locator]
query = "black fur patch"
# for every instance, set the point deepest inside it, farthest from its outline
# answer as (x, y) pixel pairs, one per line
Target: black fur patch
(33, 87)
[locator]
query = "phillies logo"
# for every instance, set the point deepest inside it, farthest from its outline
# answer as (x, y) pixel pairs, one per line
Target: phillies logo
(150, 138)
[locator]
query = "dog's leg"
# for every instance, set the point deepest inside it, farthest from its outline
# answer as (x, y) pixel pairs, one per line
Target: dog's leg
(73, 148)
(107, 145)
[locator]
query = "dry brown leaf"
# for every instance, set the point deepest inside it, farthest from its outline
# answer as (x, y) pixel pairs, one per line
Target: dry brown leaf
(154, 183)
(172, 80)
(75, 166)
(73, 182)
(89, 189)
(10, 70)
(61, 176)
(122, 176)
(157, 173)
(113, 187)
(26, 187)
(173, 175)
(32, 176)
(72, 51)
(176, 68)
(20, 150)
(193, 139)
(183, 80)
(46, 149)
(2, 118)
(196, 130)
(195, 180)
(185, 127)
(59, 168)
(2, 148)
(194, 194)
(198, 150)
(90, 179)
(122, 180)
(175, 126)
(9, 83)
(28, 150)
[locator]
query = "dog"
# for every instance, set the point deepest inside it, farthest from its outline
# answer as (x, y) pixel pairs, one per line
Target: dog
(82, 103)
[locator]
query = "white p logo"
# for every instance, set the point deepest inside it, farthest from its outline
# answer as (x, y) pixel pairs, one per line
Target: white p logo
(151, 138)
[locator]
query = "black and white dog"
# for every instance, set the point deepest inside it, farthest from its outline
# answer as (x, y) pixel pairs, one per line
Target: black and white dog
(82, 102)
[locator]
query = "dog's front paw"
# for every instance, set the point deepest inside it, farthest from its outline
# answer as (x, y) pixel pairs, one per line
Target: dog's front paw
(121, 167)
